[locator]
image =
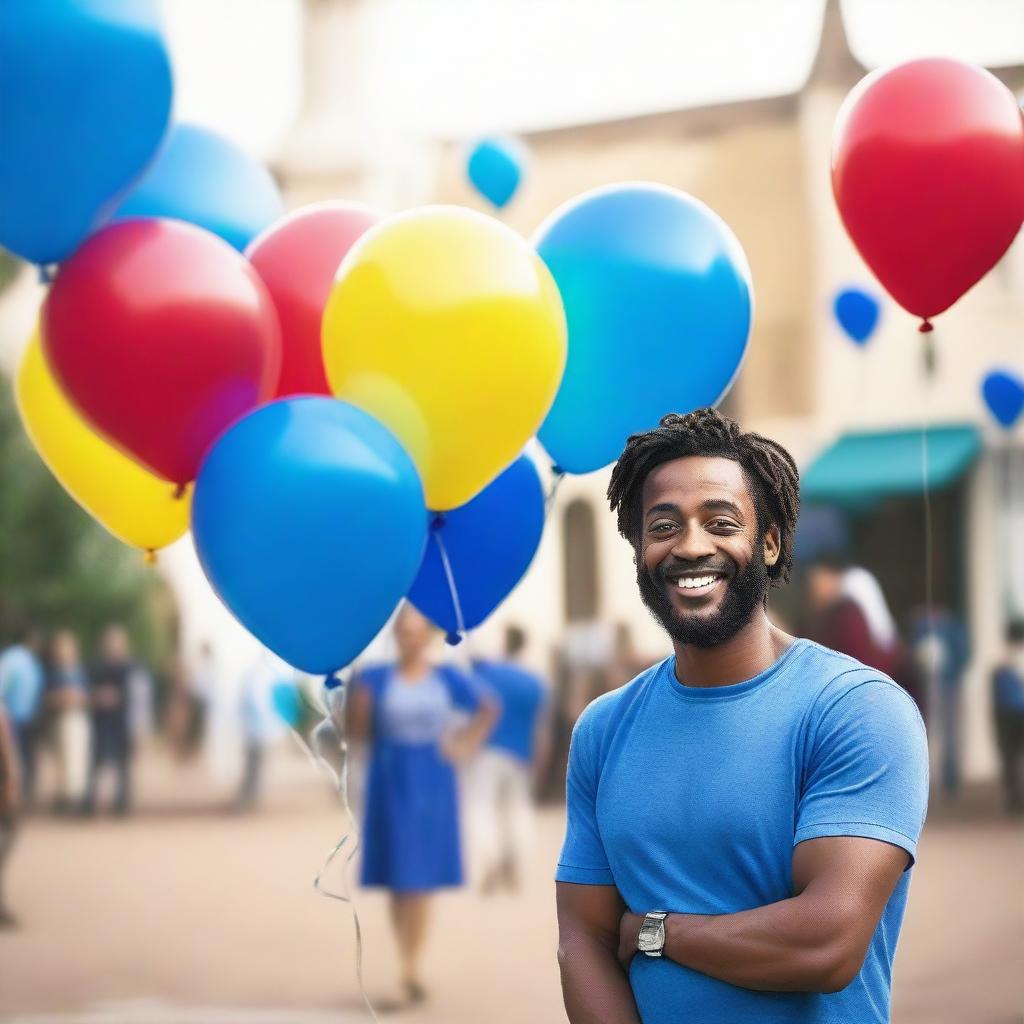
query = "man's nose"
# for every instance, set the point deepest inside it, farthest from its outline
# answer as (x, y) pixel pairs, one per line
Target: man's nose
(692, 544)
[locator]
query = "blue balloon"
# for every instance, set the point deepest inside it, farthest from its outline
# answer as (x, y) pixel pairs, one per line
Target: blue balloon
(287, 702)
(1004, 395)
(203, 178)
(658, 299)
(309, 522)
(857, 313)
(495, 169)
(490, 542)
(85, 94)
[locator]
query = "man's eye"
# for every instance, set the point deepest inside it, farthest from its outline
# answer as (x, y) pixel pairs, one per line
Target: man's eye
(722, 524)
(662, 527)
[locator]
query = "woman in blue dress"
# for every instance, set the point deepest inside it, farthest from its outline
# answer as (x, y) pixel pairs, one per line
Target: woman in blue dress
(408, 712)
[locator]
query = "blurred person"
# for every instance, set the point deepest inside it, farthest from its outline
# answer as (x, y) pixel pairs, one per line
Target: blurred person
(411, 842)
(742, 817)
(501, 773)
(1008, 707)
(940, 651)
(68, 695)
(261, 724)
(117, 680)
(22, 681)
(625, 663)
(10, 796)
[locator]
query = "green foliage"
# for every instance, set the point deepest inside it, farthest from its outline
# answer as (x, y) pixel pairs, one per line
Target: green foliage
(60, 568)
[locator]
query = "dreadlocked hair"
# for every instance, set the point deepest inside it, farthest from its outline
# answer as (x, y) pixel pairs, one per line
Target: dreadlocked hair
(771, 473)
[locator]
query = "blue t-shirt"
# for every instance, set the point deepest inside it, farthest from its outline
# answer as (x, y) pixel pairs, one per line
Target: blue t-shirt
(21, 683)
(1008, 684)
(522, 696)
(691, 799)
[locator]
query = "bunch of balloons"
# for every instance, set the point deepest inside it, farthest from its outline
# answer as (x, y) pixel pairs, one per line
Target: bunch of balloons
(336, 400)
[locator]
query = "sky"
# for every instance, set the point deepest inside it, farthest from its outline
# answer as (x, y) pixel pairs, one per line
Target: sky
(459, 68)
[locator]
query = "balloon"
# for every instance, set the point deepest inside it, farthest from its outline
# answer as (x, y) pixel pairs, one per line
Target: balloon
(658, 298)
(857, 313)
(297, 258)
(445, 325)
(928, 175)
(287, 702)
(495, 169)
(135, 506)
(309, 522)
(161, 335)
(490, 543)
(85, 94)
(205, 179)
(1004, 395)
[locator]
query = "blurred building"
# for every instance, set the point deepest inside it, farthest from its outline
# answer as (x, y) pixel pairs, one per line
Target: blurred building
(852, 417)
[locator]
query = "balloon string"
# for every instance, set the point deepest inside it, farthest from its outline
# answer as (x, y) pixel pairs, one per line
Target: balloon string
(549, 500)
(335, 719)
(453, 590)
(931, 665)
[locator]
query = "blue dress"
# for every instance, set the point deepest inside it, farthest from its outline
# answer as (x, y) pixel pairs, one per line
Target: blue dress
(411, 821)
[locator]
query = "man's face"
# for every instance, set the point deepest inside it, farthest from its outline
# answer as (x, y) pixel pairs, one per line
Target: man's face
(701, 566)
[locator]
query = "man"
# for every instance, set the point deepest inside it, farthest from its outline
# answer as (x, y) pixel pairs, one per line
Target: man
(766, 792)
(9, 799)
(502, 811)
(1008, 706)
(117, 682)
(21, 691)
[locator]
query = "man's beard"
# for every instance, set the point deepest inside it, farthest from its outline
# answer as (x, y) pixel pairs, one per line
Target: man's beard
(745, 591)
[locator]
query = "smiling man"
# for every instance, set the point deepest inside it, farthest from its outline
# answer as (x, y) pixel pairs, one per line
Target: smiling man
(743, 817)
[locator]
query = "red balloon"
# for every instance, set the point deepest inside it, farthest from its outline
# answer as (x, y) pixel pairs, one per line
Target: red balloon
(928, 174)
(162, 335)
(297, 258)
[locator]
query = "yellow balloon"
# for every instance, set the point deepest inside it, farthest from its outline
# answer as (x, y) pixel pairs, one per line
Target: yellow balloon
(446, 326)
(135, 506)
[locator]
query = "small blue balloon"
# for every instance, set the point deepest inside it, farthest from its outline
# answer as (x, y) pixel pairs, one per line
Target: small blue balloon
(85, 94)
(205, 179)
(1004, 395)
(287, 702)
(495, 169)
(309, 522)
(857, 313)
(658, 301)
(490, 542)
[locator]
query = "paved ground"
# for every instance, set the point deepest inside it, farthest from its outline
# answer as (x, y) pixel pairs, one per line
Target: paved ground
(185, 915)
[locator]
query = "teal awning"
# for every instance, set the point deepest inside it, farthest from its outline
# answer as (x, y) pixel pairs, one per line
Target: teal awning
(864, 467)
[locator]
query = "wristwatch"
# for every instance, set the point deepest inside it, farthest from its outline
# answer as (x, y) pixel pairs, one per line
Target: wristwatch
(652, 933)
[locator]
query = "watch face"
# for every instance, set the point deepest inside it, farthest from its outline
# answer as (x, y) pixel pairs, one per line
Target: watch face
(650, 937)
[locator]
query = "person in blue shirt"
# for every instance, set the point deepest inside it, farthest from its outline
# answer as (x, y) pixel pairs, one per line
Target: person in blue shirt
(419, 719)
(21, 691)
(502, 773)
(1008, 706)
(742, 818)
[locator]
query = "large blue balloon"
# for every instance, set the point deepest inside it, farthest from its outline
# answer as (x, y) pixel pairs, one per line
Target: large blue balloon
(495, 169)
(203, 178)
(1004, 395)
(85, 94)
(857, 313)
(309, 521)
(658, 300)
(490, 542)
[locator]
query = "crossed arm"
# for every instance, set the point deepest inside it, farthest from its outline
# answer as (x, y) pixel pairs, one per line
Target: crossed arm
(815, 941)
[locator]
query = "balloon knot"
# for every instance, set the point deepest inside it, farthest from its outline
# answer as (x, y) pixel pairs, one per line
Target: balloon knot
(557, 469)
(179, 492)
(437, 522)
(149, 556)
(332, 682)
(926, 327)
(45, 274)
(453, 639)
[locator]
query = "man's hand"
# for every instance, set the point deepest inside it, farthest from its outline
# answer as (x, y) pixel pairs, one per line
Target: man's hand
(629, 938)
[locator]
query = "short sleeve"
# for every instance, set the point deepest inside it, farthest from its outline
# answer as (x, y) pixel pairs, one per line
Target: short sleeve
(867, 773)
(583, 858)
(464, 691)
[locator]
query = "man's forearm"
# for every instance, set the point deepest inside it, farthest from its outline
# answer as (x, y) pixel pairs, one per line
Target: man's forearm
(795, 945)
(595, 988)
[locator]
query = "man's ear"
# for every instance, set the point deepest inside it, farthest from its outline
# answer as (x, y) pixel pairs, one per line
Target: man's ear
(772, 545)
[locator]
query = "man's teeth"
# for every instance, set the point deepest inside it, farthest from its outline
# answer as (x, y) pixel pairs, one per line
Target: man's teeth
(695, 582)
